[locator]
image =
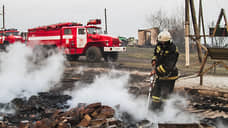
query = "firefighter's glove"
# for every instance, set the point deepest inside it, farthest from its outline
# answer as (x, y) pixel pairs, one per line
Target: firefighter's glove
(153, 72)
(153, 63)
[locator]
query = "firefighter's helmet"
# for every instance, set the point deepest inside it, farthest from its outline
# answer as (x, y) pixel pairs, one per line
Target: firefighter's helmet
(164, 36)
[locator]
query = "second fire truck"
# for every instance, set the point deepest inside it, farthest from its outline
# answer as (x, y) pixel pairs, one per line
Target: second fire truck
(9, 36)
(77, 40)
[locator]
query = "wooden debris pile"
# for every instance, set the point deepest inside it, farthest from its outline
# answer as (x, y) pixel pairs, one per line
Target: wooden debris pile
(207, 101)
(209, 104)
(93, 115)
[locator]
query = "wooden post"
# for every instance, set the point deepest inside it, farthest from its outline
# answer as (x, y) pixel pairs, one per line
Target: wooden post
(214, 68)
(201, 80)
(196, 30)
(199, 17)
(202, 67)
(202, 20)
(187, 33)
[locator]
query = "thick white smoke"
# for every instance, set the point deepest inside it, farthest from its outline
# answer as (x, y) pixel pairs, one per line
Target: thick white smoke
(20, 76)
(111, 89)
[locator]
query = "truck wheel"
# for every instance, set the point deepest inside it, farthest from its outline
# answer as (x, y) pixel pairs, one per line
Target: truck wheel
(5, 44)
(72, 57)
(93, 54)
(111, 57)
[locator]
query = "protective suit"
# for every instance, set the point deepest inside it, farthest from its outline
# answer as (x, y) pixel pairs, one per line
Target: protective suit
(164, 61)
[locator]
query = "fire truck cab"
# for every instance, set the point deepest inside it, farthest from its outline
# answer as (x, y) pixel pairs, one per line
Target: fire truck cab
(9, 36)
(77, 40)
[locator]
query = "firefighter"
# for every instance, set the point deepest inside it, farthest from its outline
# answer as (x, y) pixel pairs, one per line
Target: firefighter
(164, 68)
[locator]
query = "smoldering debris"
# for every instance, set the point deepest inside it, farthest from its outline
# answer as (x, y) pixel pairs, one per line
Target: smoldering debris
(209, 104)
(35, 113)
(49, 110)
(36, 107)
(219, 122)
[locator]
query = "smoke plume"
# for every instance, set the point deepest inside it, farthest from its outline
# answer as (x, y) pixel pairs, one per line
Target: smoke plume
(21, 77)
(112, 89)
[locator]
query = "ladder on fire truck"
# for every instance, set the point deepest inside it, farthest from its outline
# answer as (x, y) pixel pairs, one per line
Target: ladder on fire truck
(56, 26)
(218, 54)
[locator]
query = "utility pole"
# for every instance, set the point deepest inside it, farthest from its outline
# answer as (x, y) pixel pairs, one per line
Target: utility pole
(106, 28)
(3, 17)
(187, 33)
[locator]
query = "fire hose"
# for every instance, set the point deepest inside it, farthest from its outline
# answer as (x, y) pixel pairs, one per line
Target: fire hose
(152, 80)
(149, 101)
(183, 77)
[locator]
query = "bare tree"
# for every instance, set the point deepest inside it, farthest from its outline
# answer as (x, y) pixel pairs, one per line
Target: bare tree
(174, 23)
(157, 19)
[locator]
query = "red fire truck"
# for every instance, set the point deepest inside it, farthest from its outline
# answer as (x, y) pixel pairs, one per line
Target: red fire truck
(77, 40)
(9, 36)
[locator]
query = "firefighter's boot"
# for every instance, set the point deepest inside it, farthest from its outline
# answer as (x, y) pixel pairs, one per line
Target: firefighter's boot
(156, 104)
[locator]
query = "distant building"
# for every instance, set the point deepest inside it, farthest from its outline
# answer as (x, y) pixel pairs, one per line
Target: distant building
(132, 41)
(147, 37)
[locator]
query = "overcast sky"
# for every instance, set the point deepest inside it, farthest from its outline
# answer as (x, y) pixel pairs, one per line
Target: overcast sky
(125, 17)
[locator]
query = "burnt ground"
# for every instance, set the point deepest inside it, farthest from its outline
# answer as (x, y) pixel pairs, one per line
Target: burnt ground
(209, 103)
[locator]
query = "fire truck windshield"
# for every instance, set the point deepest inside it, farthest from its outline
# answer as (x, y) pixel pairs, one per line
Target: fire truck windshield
(12, 33)
(94, 31)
